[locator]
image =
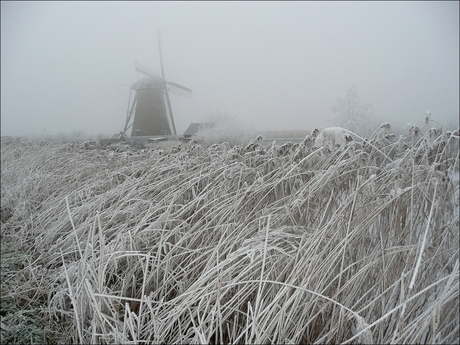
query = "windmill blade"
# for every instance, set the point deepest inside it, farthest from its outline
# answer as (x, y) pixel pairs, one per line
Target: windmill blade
(173, 87)
(179, 89)
(161, 56)
(145, 70)
(171, 118)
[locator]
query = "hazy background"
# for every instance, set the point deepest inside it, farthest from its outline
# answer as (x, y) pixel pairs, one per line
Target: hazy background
(68, 66)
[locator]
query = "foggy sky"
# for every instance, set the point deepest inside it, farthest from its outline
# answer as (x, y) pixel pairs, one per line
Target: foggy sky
(68, 66)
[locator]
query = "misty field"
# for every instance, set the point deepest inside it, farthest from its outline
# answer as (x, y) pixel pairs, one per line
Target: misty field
(221, 244)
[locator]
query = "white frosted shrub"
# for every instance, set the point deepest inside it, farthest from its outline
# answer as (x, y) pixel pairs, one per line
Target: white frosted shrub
(224, 128)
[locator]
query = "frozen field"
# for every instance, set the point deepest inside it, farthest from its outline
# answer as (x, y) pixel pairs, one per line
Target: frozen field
(256, 244)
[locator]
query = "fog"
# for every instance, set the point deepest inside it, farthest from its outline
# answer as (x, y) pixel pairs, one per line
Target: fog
(68, 66)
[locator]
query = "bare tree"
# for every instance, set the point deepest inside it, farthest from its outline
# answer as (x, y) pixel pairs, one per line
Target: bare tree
(351, 113)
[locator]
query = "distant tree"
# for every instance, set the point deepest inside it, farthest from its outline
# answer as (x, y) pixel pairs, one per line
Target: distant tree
(352, 114)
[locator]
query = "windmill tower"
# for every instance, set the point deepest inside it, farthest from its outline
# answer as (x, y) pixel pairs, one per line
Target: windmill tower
(150, 113)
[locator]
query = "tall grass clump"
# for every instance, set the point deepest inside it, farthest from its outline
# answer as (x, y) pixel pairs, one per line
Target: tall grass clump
(252, 244)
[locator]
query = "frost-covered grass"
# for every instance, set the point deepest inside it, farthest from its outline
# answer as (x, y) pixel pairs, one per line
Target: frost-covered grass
(282, 134)
(229, 244)
(74, 136)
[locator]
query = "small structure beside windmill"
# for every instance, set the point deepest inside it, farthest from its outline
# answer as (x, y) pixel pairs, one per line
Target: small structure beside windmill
(149, 115)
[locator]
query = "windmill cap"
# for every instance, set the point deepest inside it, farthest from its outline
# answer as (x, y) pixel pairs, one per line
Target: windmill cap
(147, 83)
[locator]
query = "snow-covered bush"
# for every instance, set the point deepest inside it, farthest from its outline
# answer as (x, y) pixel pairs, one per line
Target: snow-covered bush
(224, 128)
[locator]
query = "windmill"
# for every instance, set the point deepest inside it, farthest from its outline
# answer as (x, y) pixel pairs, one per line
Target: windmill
(150, 112)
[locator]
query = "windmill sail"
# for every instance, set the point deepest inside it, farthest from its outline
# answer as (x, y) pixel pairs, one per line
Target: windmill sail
(179, 90)
(170, 117)
(145, 70)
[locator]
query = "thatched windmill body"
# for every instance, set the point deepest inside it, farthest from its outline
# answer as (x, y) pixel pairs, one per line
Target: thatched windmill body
(150, 113)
